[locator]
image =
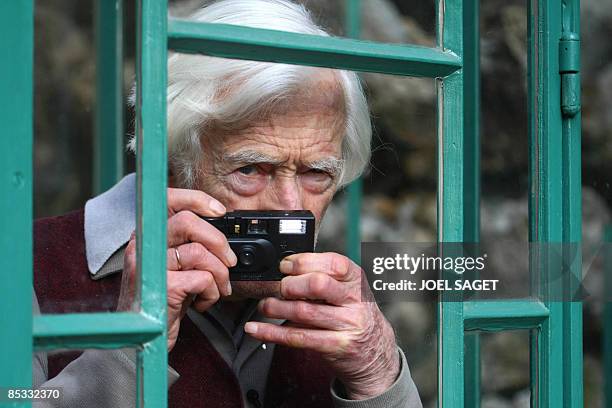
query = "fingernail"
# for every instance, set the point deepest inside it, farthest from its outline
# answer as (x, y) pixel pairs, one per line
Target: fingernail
(286, 266)
(231, 257)
(250, 328)
(228, 289)
(217, 207)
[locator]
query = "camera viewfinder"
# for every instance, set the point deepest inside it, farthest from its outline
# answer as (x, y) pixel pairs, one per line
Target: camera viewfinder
(256, 227)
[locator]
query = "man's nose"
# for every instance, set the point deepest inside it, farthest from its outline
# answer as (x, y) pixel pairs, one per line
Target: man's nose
(288, 195)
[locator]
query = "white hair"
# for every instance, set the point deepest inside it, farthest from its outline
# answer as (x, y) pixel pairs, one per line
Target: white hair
(207, 92)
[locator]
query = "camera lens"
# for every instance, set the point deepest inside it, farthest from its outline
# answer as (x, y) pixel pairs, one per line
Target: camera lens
(246, 256)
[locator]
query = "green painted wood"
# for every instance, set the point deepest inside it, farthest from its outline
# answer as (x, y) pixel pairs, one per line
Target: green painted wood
(534, 335)
(569, 67)
(99, 330)
(607, 319)
(504, 315)
(451, 205)
(471, 69)
(230, 41)
(151, 165)
(569, 58)
(108, 128)
(354, 190)
(353, 221)
(471, 100)
(546, 200)
(472, 369)
(16, 99)
(352, 18)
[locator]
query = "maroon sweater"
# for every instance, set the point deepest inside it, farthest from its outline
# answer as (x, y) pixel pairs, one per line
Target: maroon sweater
(297, 378)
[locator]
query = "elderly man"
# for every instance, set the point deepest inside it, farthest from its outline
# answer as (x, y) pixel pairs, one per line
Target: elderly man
(242, 135)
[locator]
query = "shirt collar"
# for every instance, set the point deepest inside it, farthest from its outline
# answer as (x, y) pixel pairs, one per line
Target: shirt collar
(110, 219)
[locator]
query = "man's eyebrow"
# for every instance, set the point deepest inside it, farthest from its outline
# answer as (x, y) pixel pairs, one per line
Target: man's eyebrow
(330, 165)
(250, 157)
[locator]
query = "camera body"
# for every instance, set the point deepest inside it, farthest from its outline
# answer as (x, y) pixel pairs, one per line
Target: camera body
(262, 238)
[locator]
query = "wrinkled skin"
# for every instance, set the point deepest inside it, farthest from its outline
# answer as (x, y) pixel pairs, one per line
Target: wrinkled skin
(321, 294)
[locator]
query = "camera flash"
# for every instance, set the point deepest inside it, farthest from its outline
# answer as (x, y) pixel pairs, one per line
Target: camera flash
(292, 227)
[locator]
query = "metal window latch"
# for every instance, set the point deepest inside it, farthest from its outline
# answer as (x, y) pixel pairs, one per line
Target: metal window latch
(569, 68)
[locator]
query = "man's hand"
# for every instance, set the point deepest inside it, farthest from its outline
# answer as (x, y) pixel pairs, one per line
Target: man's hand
(198, 258)
(322, 299)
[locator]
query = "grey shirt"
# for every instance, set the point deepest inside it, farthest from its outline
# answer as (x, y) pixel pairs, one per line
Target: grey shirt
(106, 378)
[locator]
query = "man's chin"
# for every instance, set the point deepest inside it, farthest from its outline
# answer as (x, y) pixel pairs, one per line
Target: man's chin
(254, 290)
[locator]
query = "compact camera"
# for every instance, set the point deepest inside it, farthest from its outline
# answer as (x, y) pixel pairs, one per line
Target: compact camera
(261, 239)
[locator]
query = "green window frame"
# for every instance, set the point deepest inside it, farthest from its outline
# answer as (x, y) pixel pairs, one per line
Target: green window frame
(554, 139)
(109, 136)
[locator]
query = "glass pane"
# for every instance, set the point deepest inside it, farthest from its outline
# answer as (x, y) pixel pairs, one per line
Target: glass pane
(387, 21)
(68, 265)
(64, 76)
(504, 143)
(399, 205)
(505, 378)
(400, 193)
(400, 185)
(504, 156)
(88, 378)
(596, 82)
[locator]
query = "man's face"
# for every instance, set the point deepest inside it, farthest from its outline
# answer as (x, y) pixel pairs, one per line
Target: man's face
(290, 160)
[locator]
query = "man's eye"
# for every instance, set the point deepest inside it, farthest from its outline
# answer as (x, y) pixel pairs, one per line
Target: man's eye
(318, 173)
(249, 180)
(248, 170)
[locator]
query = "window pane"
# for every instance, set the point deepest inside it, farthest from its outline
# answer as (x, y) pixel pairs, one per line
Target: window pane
(400, 198)
(399, 205)
(68, 264)
(596, 138)
(505, 377)
(387, 21)
(64, 98)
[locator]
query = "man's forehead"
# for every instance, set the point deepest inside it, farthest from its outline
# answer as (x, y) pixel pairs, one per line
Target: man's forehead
(320, 93)
(304, 137)
(308, 126)
(323, 90)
